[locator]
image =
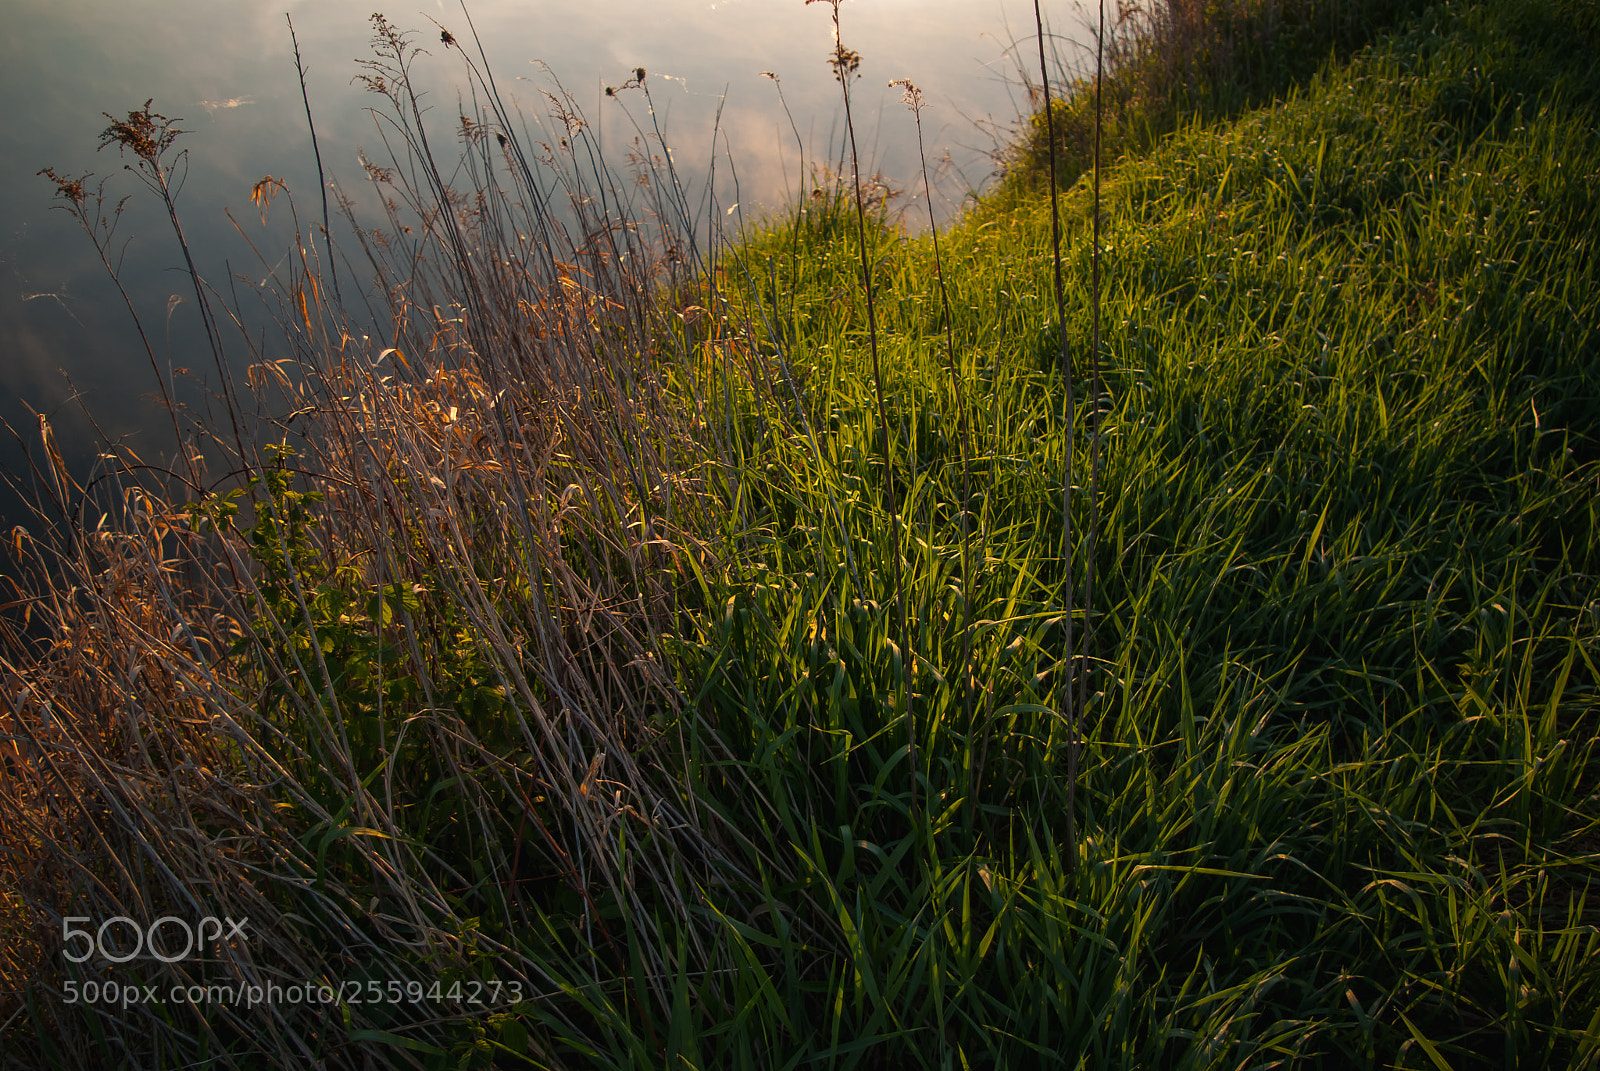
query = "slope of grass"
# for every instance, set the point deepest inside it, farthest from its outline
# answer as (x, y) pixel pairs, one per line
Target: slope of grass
(1173, 62)
(1340, 795)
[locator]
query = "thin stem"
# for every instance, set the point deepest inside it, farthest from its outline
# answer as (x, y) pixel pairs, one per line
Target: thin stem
(1066, 482)
(845, 63)
(914, 99)
(316, 151)
(1094, 416)
(101, 236)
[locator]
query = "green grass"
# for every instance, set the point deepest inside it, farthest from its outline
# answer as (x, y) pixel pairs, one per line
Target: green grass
(1338, 803)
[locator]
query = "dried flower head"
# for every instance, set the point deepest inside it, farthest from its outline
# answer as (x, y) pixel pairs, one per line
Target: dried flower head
(386, 37)
(376, 173)
(569, 118)
(844, 61)
(913, 96)
(261, 194)
(145, 133)
(636, 82)
(71, 189)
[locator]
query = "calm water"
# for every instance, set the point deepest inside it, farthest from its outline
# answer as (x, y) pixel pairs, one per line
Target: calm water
(226, 68)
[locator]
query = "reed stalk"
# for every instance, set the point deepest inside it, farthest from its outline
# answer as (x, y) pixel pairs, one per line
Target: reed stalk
(1069, 410)
(845, 63)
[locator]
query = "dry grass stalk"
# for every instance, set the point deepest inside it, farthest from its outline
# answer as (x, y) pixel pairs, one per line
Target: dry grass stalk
(486, 506)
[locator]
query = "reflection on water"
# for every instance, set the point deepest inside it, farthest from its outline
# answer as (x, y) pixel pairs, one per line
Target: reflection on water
(226, 68)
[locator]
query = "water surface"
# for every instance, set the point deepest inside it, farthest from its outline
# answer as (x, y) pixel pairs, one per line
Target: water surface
(226, 69)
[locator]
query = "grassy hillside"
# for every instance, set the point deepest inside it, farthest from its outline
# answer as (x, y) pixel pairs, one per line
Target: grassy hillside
(1338, 798)
(597, 641)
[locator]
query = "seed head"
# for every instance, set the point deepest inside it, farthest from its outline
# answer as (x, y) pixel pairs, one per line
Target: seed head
(913, 96)
(145, 133)
(844, 61)
(71, 189)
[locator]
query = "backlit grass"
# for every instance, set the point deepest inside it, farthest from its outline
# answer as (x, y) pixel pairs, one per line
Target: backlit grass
(1339, 794)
